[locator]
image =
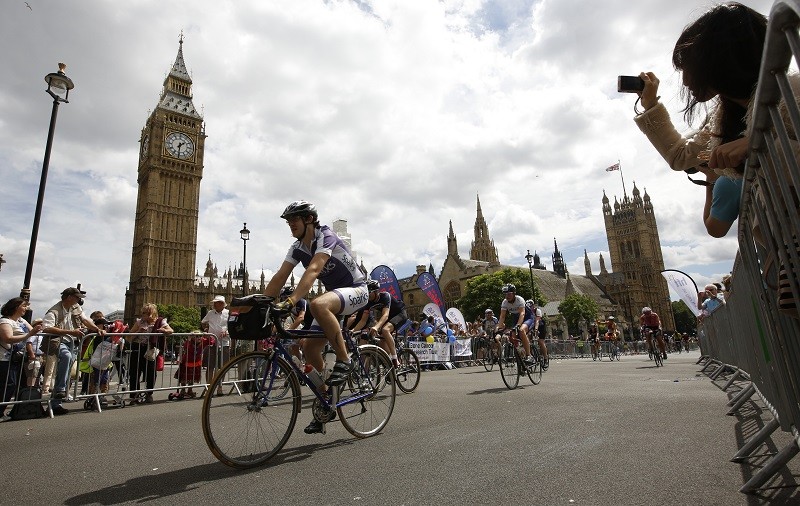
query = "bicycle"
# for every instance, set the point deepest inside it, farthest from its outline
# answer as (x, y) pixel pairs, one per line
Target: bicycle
(486, 353)
(613, 351)
(512, 361)
(251, 422)
(652, 350)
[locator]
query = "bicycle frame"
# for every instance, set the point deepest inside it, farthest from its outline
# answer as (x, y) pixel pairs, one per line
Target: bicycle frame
(279, 351)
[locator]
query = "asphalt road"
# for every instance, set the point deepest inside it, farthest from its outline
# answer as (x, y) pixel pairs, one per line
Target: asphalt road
(622, 433)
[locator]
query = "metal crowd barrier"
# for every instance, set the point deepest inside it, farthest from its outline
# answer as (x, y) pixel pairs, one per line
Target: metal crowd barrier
(752, 339)
(119, 391)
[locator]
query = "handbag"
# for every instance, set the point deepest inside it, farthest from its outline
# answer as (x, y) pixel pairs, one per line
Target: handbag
(151, 353)
(103, 354)
(160, 362)
(17, 354)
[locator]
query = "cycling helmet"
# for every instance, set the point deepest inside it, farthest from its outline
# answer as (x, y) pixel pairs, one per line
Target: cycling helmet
(530, 303)
(286, 291)
(646, 310)
(509, 288)
(300, 208)
(373, 285)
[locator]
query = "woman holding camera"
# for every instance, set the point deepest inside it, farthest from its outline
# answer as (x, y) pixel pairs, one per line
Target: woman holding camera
(719, 56)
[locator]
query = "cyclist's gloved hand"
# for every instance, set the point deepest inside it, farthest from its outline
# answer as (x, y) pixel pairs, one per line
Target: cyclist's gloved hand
(285, 305)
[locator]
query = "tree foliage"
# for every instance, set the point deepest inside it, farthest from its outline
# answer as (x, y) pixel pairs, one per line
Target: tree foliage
(181, 319)
(576, 308)
(685, 321)
(482, 292)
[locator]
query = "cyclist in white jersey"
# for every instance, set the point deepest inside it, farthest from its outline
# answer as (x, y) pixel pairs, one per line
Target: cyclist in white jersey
(327, 259)
(514, 307)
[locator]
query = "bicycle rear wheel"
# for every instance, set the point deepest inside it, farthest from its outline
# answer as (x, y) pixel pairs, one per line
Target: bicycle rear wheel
(363, 408)
(252, 421)
(407, 373)
(509, 369)
(657, 358)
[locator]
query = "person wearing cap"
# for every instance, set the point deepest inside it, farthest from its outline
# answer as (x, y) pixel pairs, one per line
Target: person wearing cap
(66, 322)
(216, 322)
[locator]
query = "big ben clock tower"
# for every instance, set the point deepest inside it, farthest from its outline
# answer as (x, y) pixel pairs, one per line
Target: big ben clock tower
(170, 170)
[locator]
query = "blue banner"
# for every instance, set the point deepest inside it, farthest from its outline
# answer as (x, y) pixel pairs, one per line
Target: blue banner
(385, 276)
(430, 286)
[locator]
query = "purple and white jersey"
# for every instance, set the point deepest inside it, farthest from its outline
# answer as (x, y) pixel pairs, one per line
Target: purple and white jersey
(341, 271)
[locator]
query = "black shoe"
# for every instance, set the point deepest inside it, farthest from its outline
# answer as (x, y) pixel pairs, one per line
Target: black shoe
(315, 427)
(61, 394)
(341, 370)
(59, 410)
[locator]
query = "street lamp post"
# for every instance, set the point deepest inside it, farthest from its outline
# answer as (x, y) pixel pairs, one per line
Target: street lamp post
(529, 258)
(58, 86)
(245, 234)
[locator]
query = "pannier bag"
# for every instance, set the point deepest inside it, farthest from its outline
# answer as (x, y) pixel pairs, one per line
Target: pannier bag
(247, 318)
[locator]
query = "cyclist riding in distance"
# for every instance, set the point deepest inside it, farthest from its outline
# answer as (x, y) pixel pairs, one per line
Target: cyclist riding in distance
(513, 307)
(650, 320)
(392, 316)
(594, 338)
(537, 314)
(328, 259)
(489, 327)
(612, 334)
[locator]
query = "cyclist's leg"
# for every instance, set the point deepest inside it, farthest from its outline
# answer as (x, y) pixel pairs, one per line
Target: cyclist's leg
(326, 308)
(526, 343)
(543, 349)
(661, 345)
(388, 342)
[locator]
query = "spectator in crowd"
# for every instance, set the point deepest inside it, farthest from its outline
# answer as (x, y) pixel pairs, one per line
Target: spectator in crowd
(216, 322)
(14, 331)
(709, 300)
(719, 55)
(66, 322)
(33, 356)
(157, 327)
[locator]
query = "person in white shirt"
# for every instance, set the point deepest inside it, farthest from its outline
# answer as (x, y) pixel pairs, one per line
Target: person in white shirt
(216, 322)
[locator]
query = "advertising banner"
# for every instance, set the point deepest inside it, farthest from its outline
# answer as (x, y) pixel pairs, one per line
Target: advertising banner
(430, 287)
(386, 277)
(683, 284)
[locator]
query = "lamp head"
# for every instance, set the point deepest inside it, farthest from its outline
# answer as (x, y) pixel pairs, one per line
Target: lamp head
(58, 84)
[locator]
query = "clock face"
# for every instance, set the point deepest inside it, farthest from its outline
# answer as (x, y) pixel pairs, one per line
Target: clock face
(179, 145)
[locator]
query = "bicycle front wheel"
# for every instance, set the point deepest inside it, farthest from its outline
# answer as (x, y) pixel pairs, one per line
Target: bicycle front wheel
(488, 358)
(253, 419)
(365, 404)
(509, 369)
(407, 372)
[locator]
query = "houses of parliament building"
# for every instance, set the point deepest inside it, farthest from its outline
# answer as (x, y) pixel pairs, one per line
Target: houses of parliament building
(164, 249)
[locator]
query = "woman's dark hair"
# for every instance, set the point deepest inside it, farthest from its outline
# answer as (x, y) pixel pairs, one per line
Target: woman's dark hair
(721, 51)
(11, 306)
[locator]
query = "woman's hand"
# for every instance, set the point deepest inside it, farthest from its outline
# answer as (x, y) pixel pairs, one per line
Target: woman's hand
(649, 95)
(729, 155)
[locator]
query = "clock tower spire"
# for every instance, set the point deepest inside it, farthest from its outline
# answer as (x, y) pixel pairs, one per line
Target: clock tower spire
(167, 207)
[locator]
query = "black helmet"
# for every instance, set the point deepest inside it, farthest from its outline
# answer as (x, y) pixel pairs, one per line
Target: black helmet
(373, 285)
(300, 208)
(287, 291)
(509, 288)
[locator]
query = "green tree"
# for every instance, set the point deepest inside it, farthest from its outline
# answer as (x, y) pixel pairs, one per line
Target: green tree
(181, 319)
(685, 320)
(577, 308)
(483, 291)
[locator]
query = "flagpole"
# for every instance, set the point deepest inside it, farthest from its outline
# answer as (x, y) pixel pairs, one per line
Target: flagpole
(621, 178)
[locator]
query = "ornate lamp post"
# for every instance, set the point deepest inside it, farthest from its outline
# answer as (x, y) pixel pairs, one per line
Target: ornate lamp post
(58, 86)
(529, 258)
(245, 235)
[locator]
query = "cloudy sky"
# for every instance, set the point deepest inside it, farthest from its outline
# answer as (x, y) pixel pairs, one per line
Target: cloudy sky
(393, 115)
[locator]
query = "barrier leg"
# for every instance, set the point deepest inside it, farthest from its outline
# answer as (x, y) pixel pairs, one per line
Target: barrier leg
(756, 441)
(773, 466)
(718, 371)
(708, 363)
(703, 358)
(741, 400)
(745, 392)
(732, 379)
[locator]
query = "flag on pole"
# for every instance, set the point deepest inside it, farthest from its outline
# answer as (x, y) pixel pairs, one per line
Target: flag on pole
(613, 167)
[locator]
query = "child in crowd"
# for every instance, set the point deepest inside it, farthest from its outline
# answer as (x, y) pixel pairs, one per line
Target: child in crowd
(191, 363)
